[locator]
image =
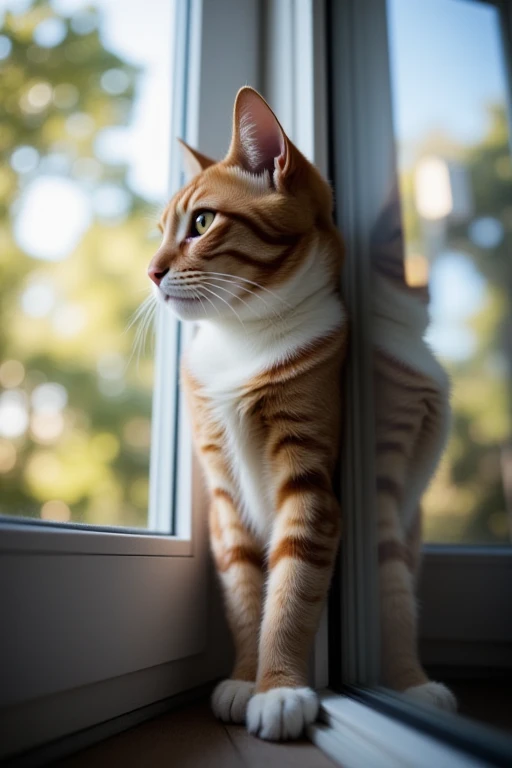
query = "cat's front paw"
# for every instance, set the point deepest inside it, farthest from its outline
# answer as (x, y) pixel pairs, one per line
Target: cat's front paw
(435, 694)
(281, 713)
(230, 699)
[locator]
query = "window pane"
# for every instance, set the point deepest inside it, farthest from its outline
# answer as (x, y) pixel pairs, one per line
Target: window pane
(84, 138)
(453, 144)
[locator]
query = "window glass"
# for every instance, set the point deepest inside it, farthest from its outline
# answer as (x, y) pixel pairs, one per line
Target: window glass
(85, 89)
(453, 143)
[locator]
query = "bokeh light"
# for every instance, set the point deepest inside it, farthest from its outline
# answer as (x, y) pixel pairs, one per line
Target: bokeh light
(24, 159)
(50, 33)
(12, 373)
(115, 81)
(5, 47)
(7, 456)
(49, 398)
(80, 125)
(46, 427)
(39, 96)
(137, 433)
(68, 320)
(111, 365)
(111, 201)
(38, 299)
(486, 232)
(85, 22)
(13, 413)
(52, 217)
(57, 511)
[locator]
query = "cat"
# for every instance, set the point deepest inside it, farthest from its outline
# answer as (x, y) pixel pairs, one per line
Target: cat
(251, 254)
(412, 413)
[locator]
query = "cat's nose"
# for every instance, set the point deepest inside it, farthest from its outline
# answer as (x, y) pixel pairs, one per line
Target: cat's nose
(157, 274)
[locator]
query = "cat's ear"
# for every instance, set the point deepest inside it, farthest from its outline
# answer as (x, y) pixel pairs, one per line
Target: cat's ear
(258, 143)
(194, 162)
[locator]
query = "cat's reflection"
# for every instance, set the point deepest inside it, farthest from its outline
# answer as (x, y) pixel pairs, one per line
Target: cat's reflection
(412, 414)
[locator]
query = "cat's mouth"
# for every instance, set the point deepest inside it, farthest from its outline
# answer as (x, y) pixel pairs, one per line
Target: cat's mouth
(178, 297)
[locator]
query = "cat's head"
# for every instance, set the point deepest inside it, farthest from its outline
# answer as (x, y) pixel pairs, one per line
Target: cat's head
(407, 272)
(250, 236)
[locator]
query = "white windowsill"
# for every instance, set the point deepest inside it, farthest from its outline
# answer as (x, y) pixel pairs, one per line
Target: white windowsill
(45, 538)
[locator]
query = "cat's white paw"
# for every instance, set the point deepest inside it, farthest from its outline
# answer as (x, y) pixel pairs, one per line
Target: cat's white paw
(435, 694)
(281, 713)
(230, 699)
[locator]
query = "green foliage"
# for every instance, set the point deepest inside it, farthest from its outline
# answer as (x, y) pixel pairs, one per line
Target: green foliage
(466, 503)
(97, 462)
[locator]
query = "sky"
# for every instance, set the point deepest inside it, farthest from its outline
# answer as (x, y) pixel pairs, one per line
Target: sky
(446, 64)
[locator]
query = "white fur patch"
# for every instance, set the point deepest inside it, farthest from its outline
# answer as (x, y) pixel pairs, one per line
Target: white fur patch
(400, 324)
(230, 699)
(224, 357)
(282, 714)
(434, 694)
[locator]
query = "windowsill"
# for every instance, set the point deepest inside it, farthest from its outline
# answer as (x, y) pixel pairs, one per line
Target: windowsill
(40, 537)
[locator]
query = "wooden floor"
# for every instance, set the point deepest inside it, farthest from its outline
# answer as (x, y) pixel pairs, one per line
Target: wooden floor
(193, 738)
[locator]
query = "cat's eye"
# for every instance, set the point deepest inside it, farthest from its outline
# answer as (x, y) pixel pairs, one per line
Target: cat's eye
(202, 223)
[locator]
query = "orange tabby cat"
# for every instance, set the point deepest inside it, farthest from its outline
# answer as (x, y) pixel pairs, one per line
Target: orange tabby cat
(412, 411)
(251, 254)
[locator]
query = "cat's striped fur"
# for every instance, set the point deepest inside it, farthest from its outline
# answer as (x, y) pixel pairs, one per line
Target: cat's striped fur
(412, 414)
(262, 379)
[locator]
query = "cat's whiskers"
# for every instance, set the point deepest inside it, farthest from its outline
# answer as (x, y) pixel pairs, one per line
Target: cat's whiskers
(211, 302)
(248, 290)
(145, 325)
(196, 294)
(204, 282)
(144, 316)
(202, 305)
(252, 282)
(141, 310)
(227, 304)
(197, 281)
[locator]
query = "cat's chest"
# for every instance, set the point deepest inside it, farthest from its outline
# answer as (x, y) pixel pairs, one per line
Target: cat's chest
(224, 371)
(224, 364)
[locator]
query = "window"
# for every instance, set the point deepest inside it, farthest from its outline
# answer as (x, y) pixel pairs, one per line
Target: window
(455, 169)
(86, 142)
(386, 96)
(102, 624)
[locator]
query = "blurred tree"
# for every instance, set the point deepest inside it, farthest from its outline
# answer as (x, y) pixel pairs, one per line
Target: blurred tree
(466, 503)
(60, 88)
